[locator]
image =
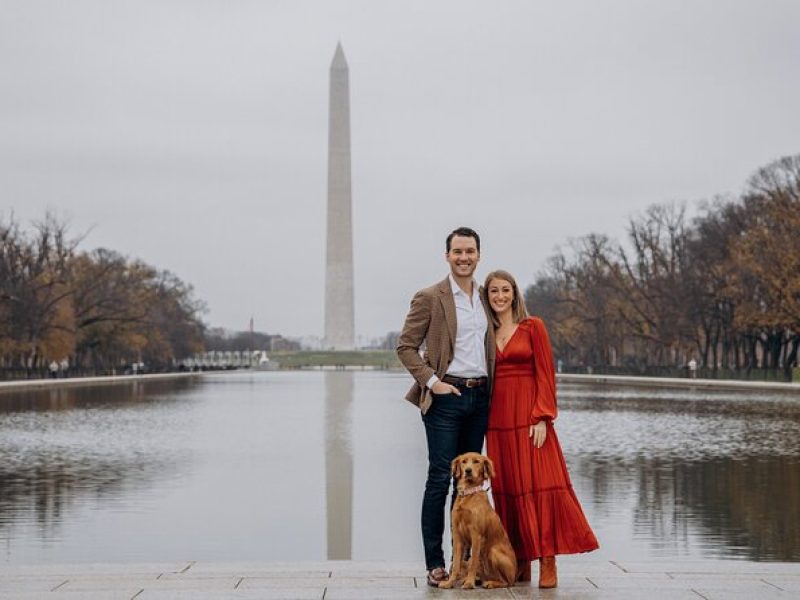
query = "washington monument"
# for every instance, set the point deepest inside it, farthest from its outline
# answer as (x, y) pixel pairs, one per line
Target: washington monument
(339, 256)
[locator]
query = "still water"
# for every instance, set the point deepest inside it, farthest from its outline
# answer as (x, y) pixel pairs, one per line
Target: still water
(331, 465)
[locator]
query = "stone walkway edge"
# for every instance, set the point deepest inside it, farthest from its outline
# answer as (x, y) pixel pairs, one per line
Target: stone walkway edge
(32, 384)
(673, 382)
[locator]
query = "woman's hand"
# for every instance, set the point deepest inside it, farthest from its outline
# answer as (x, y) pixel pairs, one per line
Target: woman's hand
(538, 433)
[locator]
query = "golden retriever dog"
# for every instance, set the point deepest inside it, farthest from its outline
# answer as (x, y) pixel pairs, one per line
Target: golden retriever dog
(476, 527)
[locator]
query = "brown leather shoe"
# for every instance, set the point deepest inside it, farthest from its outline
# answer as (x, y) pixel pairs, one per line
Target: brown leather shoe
(437, 575)
(548, 578)
(523, 570)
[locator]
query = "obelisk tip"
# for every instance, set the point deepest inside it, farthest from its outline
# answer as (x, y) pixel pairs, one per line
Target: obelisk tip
(339, 61)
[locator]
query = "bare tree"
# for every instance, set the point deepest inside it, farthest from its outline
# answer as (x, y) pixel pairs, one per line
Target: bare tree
(35, 272)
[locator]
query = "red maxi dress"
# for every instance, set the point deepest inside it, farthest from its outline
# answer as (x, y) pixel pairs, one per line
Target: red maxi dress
(532, 490)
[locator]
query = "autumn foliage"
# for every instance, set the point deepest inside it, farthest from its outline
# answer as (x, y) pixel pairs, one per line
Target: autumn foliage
(722, 288)
(98, 309)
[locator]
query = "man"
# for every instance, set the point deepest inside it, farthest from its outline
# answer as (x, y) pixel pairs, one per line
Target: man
(452, 379)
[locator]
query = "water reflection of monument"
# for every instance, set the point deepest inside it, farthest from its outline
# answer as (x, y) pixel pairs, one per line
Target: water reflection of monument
(339, 463)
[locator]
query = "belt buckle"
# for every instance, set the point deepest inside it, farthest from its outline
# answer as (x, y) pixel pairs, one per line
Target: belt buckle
(471, 382)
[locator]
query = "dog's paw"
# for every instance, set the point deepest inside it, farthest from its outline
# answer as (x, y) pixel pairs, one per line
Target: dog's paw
(446, 585)
(469, 584)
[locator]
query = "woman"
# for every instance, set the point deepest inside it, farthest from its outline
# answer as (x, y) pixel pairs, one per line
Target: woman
(532, 490)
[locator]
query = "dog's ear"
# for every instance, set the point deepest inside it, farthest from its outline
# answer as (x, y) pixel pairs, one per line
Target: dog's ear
(488, 468)
(455, 468)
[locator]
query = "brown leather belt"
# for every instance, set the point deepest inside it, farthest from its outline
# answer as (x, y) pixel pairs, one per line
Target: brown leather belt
(471, 382)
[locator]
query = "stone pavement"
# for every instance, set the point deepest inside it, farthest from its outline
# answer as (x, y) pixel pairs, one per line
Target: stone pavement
(580, 578)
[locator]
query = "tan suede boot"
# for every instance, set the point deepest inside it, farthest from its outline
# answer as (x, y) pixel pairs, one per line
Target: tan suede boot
(548, 577)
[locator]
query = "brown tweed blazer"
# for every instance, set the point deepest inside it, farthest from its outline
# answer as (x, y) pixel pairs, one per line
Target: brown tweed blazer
(432, 321)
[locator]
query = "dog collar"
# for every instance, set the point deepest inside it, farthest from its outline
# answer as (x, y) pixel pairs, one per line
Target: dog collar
(472, 490)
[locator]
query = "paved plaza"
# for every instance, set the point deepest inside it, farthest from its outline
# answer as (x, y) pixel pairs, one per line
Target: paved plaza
(580, 578)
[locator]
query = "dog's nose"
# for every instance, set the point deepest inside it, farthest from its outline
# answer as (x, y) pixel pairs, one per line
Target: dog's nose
(468, 471)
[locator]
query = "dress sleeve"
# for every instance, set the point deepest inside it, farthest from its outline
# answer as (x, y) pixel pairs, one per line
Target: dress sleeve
(544, 405)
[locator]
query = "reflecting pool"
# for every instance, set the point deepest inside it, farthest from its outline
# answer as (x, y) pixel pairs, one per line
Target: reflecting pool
(331, 465)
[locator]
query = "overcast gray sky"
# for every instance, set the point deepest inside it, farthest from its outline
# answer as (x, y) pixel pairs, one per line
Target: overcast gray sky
(193, 134)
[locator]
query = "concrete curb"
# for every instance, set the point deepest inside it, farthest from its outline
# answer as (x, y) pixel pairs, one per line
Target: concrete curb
(35, 384)
(671, 382)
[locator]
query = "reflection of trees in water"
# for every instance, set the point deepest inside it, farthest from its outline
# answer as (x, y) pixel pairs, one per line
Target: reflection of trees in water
(658, 504)
(715, 471)
(53, 460)
(45, 490)
(753, 502)
(93, 396)
(738, 507)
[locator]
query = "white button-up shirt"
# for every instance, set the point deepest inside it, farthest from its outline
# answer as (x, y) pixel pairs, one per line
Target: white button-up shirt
(469, 351)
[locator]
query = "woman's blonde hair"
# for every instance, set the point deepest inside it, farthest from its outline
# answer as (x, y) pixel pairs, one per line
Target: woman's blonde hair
(518, 310)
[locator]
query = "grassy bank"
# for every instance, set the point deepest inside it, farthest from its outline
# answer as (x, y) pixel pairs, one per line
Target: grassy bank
(377, 359)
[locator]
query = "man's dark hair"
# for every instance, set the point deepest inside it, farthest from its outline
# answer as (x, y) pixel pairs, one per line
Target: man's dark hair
(463, 232)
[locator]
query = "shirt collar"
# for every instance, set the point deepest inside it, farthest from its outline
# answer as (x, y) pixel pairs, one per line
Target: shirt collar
(457, 290)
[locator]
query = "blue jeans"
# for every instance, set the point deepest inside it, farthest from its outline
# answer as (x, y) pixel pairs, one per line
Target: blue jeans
(453, 425)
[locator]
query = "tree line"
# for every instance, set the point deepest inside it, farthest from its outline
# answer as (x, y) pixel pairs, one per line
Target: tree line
(98, 310)
(223, 340)
(721, 288)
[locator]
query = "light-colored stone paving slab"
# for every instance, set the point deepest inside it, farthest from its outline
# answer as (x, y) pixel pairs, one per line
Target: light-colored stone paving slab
(415, 593)
(258, 573)
(733, 579)
(266, 594)
(661, 582)
(398, 582)
(577, 567)
(579, 579)
(272, 569)
(285, 583)
(564, 583)
(744, 595)
(29, 584)
(111, 569)
(560, 594)
(379, 569)
(349, 567)
(93, 583)
(787, 583)
(105, 595)
(738, 567)
(402, 583)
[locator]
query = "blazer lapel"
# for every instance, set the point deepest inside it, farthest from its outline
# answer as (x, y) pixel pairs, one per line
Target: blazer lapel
(449, 307)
